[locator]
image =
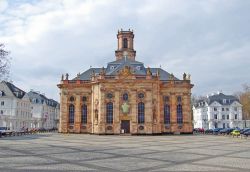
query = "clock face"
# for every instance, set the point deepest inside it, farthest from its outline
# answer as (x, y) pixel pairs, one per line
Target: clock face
(125, 53)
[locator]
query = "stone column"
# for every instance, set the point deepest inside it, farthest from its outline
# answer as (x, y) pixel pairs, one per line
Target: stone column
(133, 112)
(173, 115)
(77, 122)
(116, 117)
(102, 114)
(63, 113)
(148, 112)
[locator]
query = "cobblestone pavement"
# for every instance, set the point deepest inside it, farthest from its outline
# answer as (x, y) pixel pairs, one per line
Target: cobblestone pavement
(76, 152)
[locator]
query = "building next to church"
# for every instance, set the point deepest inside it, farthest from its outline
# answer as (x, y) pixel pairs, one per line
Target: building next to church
(21, 110)
(218, 111)
(45, 111)
(125, 97)
(15, 107)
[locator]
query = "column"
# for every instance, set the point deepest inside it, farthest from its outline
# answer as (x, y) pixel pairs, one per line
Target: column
(77, 122)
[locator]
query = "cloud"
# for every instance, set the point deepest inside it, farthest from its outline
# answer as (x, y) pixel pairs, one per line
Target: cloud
(209, 39)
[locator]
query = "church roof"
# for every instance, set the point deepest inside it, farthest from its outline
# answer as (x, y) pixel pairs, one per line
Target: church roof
(114, 67)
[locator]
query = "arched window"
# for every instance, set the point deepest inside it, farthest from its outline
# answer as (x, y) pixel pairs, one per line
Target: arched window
(109, 113)
(84, 114)
(179, 114)
(166, 114)
(125, 43)
(141, 113)
(71, 114)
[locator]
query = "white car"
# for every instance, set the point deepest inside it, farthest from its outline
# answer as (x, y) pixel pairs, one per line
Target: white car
(5, 130)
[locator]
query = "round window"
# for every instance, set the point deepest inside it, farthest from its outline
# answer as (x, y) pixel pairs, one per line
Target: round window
(72, 98)
(140, 95)
(84, 98)
(109, 95)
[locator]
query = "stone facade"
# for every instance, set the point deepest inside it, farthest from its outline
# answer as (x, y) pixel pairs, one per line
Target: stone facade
(125, 97)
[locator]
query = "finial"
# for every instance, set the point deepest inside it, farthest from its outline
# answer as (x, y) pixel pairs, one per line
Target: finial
(67, 76)
(121, 29)
(171, 77)
(90, 66)
(149, 71)
(189, 77)
(62, 77)
(102, 71)
(128, 29)
(158, 72)
(93, 73)
(184, 76)
(78, 75)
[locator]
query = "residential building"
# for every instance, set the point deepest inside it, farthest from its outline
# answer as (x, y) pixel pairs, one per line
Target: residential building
(45, 112)
(218, 111)
(14, 108)
(125, 97)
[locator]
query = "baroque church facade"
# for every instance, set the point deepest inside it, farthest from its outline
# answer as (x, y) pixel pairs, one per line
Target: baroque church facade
(125, 97)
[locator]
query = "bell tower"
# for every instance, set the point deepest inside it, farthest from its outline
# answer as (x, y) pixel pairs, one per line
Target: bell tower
(125, 45)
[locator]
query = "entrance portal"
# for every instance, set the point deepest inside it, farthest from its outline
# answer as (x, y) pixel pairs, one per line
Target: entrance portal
(125, 126)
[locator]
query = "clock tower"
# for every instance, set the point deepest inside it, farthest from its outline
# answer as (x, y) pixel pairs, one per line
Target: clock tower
(125, 45)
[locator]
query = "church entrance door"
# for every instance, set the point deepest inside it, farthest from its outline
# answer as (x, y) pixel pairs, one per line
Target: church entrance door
(125, 126)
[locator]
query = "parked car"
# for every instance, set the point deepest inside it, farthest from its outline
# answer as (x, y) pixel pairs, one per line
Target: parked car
(235, 133)
(201, 130)
(247, 133)
(244, 130)
(5, 130)
(209, 131)
(216, 130)
(226, 131)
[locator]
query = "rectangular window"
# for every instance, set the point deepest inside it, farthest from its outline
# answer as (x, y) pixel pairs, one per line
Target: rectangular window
(223, 117)
(227, 109)
(227, 116)
(215, 116)
(228, 125)
(235, 116)
(215, 109)
(2, 103)
(222, 109)
(235, 108)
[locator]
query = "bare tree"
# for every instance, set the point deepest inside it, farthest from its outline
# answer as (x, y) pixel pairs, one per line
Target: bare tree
(4, 63)
(244, 97)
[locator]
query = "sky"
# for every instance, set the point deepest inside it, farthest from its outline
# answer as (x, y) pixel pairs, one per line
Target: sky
(210, 39)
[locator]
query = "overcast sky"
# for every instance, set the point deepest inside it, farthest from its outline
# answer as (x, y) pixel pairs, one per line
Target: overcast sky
(210, 39)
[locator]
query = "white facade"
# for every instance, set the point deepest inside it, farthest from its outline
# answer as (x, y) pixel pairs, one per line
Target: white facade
(19, 111)
(45, 111)
(14, 107)
(218, 111)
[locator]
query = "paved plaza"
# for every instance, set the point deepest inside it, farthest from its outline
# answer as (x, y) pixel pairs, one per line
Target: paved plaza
(76, 152)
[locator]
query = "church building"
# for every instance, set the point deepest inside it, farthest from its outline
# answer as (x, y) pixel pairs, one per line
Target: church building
(125, 97)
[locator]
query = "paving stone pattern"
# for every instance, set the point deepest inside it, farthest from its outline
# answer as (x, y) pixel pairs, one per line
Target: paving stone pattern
(52, 152)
